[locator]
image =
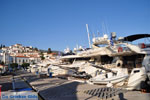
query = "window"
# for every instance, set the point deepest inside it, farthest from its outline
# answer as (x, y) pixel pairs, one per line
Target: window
(136, 71)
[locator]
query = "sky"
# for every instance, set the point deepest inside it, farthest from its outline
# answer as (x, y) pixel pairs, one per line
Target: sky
(58, 24)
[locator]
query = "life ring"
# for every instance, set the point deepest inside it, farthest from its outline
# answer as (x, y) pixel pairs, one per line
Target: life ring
(120, 49)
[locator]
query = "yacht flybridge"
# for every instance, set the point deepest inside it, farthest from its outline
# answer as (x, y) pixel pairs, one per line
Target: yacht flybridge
(117, 62)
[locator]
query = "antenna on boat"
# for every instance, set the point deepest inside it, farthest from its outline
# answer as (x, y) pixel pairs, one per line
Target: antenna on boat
(77, 46)
(93, 35)
(103, 28)
(107, 31)
(98, 33)
(88, 35)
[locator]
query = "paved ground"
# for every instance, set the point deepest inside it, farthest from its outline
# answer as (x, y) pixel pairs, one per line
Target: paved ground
(6, 82)
(60, 89)
(133, 95)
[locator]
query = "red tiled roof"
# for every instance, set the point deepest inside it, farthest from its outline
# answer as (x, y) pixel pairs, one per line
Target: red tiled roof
(3, 66)
(52, 53)
(22, 56)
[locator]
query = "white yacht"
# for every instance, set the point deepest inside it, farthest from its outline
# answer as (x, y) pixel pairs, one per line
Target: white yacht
(118, 61)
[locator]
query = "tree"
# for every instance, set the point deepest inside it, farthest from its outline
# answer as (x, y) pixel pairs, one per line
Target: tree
(25, 65)
(14, 66)
(1, 70)
(49, 50)
(3, 46)
(2, 63)
(36, 49)
(42, 56)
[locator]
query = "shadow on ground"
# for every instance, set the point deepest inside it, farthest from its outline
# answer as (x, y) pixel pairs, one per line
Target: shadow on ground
(62, 92)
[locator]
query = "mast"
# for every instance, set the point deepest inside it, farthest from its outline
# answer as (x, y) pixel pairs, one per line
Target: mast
(88, 35)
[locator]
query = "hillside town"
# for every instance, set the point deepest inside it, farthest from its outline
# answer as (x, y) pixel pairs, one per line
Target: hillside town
(18, 55)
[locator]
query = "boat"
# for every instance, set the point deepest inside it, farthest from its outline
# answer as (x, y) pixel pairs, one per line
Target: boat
(118, 54)
(105, 78)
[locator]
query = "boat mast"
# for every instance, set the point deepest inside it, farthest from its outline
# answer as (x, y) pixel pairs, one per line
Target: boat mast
(88, 35)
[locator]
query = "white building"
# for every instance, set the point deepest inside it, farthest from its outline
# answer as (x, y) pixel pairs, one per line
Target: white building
(3, 69)
(5, 57)
(24, 59)
(21, 59)
(19, 54)
(50, 55)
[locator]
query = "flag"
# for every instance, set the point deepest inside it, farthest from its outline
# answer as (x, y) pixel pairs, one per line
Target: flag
(111, 41)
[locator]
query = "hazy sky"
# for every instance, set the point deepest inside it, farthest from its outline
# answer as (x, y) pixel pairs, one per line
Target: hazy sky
(60, 23)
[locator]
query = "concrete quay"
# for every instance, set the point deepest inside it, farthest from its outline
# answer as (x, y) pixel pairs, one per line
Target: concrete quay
(60, 89)
(6, 83)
